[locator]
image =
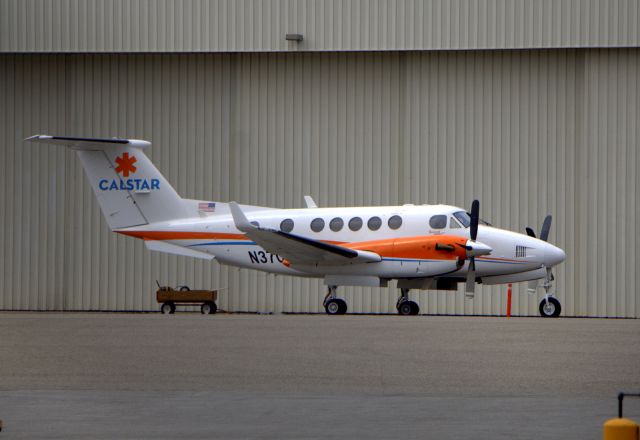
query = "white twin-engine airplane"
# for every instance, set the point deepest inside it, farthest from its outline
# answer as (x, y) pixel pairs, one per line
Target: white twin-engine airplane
(422, 247)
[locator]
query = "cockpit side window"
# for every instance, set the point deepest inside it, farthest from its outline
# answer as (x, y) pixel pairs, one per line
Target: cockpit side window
(453, 224)
(463, 218)
(438, 221)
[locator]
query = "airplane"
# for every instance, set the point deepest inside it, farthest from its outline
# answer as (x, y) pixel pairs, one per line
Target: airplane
(420, 246)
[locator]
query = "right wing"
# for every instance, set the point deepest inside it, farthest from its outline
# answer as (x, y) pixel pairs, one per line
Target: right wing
(299, 250)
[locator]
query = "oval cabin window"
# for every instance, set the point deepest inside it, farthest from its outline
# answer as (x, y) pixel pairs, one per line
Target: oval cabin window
(355, 224)
(336, 224)
(395, 221)
(317, 225)
(286, 225)
(374, 223)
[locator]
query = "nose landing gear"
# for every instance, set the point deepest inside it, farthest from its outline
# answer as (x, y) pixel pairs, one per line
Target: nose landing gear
(405, 306)
(549, 306)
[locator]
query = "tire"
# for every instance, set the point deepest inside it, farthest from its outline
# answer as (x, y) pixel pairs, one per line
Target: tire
(552, 310)
(336, 306)
(184, 289)
(406, 308)
(208, 308)
(168, 308)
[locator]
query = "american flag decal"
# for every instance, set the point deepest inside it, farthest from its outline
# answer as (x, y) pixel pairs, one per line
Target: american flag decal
(206, 207)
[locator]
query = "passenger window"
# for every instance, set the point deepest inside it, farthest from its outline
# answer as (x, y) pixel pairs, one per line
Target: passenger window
(286, 225)
(374, 223)
(453, 224)
(395, 221)
(336, 224)
(438, 221)
(355, 224)
(317, 225)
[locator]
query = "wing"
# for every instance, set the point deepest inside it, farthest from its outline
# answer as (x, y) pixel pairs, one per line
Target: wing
(299, 250)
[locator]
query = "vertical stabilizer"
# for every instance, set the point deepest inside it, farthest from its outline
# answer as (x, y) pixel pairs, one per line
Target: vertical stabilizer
(129, 188)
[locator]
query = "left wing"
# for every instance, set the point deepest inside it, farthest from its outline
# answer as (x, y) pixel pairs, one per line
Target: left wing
(299, 250)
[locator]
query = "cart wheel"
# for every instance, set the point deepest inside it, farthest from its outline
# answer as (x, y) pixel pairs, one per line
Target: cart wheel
(208, 308)
(168, 308)
(184, 289)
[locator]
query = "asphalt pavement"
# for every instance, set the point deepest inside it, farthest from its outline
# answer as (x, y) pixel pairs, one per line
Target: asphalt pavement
(107, 375)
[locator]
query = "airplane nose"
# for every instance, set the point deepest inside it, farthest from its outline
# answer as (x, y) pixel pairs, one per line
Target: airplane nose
(475, 248)
(553, 255)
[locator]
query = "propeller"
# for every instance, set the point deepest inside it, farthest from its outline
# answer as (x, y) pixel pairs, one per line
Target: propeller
(544, 236)
(546, 227)
(473, 234)
(544, 232)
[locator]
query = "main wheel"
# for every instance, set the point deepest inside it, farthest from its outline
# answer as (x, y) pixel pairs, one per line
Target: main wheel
(184, 289)
(208, 308)
(336, 306)
(550, 310)
(407, 308)
(168, 308)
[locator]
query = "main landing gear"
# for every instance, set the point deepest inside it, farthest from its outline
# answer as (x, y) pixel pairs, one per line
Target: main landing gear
(334, 305)
(405, 306)
(338, 306)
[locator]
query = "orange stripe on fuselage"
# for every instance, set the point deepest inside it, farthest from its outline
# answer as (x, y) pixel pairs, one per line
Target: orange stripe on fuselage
(182, 235)
(421, 247)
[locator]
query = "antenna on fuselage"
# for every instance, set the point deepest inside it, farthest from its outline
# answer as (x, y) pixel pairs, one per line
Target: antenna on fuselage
(308, 200)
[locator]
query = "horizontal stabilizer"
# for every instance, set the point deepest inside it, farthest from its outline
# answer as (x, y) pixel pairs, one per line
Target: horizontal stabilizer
(168, 248)
(78, 143)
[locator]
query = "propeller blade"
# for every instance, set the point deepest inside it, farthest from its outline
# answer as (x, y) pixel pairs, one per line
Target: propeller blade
(470, 287)
(546, 226)
(530, 232)
(475, 217)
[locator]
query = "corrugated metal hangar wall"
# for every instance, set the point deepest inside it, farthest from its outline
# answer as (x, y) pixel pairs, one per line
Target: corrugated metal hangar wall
(529, 132)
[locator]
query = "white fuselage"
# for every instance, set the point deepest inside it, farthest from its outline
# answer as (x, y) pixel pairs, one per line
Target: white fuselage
(217, 235)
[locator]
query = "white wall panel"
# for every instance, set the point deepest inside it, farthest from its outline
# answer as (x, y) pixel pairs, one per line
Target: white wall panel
(327, 25)
(528, 132)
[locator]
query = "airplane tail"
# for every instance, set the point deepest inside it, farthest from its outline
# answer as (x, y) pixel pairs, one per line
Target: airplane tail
(129, 188)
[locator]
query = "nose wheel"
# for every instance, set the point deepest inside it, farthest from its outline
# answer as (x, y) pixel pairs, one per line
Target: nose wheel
(334, 305)
(550, 307)
(405, 306)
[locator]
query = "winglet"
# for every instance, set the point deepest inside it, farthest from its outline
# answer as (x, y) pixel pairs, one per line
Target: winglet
(310, 202)
(240, 220)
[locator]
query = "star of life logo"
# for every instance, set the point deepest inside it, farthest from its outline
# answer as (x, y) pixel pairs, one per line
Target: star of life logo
(126, 167)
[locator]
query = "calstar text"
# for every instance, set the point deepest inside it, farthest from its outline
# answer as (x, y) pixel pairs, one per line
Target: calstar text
(129, 184)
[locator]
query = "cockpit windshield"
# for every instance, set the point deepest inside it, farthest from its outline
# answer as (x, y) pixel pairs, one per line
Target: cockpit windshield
(463, 218)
